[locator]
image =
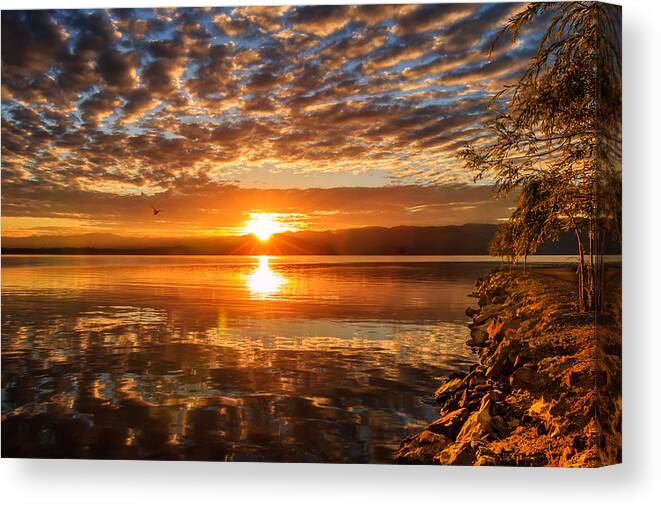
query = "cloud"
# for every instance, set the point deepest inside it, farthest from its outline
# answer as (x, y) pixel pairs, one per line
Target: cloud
(137, 102)
(34, 41)
(161, 77)
(117, 69)
(320, 20)
(96, 108)
(433, 17)
(126, 101)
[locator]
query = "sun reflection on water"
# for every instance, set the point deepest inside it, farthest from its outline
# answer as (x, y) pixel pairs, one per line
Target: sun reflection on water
(263, 281)
(239, 359)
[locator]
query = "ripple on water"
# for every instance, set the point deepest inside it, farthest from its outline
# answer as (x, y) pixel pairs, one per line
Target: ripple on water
(182, 359)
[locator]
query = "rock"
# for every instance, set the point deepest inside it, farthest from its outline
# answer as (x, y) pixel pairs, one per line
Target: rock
(494, 328)
(493, 396)
(499, 425)
(479, 336)
(448, 389)
(572, 378)
(514, 423)
(476, 379)
(546, 412)
(525, 378)
(485, 355)
(499, 299)
(422, 448)
(521, 359)
(526, 325)
(481, 388)
(461, 454)
(565, 457)
(545, 363)
(463, 399)
(486, 313)
(478, 423)
(511, 325)
(472, 402)
(501, 359)
(450, 424)
(485, 457)
(578, 443)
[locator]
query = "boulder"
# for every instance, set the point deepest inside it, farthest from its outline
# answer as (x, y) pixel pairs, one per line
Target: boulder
(527, 325)
(494, 328)
(422, 448)
(476, 379)
(486, 313)
(499, 299)
(479, 336)
(548, 361)
(525, 378)
(498, 425)
(470, 312)
(500, 361)
(448, 389)
(573, 377)
(511, 325)
(450, 424)
(485, 456)
(478, 423)
(461, 454)
(521, 359)
(546, 412)
(463, 399)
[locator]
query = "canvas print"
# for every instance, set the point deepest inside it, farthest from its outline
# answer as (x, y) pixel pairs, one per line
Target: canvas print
(340, 234)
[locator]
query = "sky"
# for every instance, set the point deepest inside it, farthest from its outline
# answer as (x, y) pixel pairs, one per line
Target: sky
(327, 116)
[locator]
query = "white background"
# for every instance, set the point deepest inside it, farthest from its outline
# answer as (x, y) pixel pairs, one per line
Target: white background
(636, 482)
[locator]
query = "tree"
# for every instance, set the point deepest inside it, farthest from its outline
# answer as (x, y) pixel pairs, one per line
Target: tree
(556, 139)
(535, 216)
(502, 244)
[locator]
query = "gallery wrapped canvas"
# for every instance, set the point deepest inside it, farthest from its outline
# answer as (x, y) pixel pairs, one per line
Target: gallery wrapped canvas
(341, 234)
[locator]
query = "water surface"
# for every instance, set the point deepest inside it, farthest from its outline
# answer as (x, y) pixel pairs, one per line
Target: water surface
(329, 359)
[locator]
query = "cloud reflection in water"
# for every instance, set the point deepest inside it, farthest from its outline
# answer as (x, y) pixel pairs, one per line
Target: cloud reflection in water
(226, 358)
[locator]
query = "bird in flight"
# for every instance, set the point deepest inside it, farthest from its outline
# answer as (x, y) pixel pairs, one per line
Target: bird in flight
(155, 210)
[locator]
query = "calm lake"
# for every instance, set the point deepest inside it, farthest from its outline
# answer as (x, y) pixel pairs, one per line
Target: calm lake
(313, 359)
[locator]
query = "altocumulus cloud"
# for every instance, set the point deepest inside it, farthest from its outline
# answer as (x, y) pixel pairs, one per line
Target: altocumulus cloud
(133, 103)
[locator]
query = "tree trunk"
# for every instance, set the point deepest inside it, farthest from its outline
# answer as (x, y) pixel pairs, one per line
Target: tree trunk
(581, 270)
(600, 272)
(590, 283)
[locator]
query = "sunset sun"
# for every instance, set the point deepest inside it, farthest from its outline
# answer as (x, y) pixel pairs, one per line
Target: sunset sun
(263, 225)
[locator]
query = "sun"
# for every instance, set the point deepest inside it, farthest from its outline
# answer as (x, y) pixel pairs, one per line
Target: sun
(263, 225)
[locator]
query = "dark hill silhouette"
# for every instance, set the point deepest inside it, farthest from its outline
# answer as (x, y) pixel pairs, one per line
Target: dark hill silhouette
(468, 239)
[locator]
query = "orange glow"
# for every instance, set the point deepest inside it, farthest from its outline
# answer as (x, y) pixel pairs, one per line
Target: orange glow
(263, 225)
(263, 281)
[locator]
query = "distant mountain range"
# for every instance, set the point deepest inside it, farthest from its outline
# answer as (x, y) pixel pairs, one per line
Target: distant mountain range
(468, 239)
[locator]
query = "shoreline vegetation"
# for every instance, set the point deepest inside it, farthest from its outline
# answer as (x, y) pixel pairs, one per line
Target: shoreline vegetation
(546, 388)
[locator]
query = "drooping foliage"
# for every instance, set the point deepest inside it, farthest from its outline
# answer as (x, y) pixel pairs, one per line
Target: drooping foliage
(556, 140)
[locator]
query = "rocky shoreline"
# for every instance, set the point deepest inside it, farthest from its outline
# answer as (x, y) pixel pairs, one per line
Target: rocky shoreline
(546, 390)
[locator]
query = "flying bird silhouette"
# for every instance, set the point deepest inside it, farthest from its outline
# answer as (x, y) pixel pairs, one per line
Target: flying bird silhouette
(156, 211)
